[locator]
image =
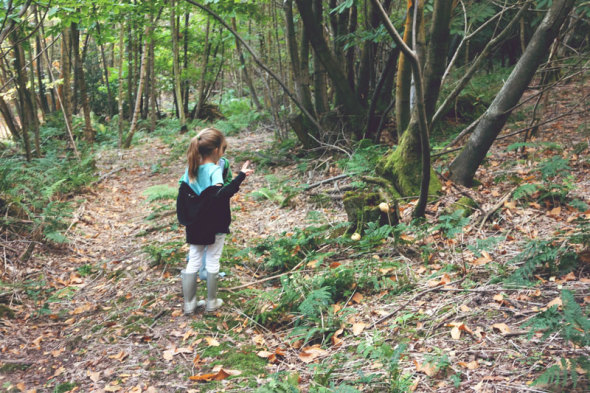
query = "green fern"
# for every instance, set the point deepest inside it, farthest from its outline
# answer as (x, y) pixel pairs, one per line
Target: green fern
(160, 192)
(573, 326)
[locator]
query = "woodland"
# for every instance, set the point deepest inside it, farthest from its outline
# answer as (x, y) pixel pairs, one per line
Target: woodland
(418, 219)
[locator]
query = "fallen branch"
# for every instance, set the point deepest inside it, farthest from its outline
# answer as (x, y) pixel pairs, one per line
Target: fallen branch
(106, 175)
(264, 279)
(495, 207)
(314, 185)
(420, 294)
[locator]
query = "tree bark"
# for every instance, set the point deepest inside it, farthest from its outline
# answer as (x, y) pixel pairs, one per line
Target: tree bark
(152, 84)
(245, 72)
(89, 133)
(24, 96)
(142, 72)
(403, 83)
(120, 67)
(465, 165)
(176, 66)
(35, 109)
(205, 63)
(10, 120)
(66, 88)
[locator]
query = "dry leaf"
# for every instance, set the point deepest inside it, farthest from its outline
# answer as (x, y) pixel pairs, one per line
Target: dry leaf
(309, 354)
(112, 388)
(212, 342)
(259, 340)
(120, 356)
(265, 354)
(426, 368)
(335, 340)
(470, 366)
(455, 333)
(555, 211)
(94, 376)
(510, 205)
(442, 280)
(59, 371)
(176, 313)
(357, 297)
(218, 376)
(499, 298)
(501, 327)
(21, 386)
(555, 302)
(358, 328)
(334, 265)
(464, 308)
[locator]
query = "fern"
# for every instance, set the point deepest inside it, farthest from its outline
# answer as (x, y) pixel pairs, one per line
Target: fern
(542, 253)
(452, 224)
(526, 190)
(316, 302)
(160, 192)
(573, 326)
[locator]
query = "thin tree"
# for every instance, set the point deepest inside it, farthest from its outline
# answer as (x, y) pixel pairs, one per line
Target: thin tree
(465, 165)
(176, 66)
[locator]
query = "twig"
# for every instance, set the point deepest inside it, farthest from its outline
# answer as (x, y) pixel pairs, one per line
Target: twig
(103, 177)
(314, 185)
(391, 314)
(495, 207)
(264, 279)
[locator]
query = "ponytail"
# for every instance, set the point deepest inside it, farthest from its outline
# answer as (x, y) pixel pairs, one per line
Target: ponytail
(194, 159)
(202, 146)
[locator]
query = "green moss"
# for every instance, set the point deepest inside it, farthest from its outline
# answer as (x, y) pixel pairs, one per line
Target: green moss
(12, 367)
(6, 312)
(403, 168)
(244, 359)
(361, 208)
(466, 204)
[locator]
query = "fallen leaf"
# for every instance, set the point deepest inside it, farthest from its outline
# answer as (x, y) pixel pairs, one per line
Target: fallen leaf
(501, 327)
(470, 366)
(218, 376)
(357, 298)
(112, 388)
(455, 333)
(510, 204)
(264, 354)
(176, 313)
(555, 211)
(336, 341)
(21, 386)
(309, 354)
(358, 328)
(120, 356)
(334, 265)
(555, 302)
(442, 280)
(464, 308)
(499, 298)
(426, 368)
(93, 375)
(212, 342)
(259, 340)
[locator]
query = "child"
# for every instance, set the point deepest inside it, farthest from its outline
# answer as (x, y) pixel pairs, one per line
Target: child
(207, 215)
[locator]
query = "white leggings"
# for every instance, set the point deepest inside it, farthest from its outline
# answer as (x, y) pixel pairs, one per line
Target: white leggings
(212, 254)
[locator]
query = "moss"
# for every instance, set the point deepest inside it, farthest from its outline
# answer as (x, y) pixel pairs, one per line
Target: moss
(466, 204)
(403, 169)
(13, 367)
(244, 359)
(6, 312)
(362, 207)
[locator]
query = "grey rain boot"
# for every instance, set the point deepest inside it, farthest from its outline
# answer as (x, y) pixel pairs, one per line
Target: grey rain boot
(212, 302)
(189, 291)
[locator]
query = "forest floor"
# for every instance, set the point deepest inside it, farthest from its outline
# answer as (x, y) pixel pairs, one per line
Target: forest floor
(101, 315)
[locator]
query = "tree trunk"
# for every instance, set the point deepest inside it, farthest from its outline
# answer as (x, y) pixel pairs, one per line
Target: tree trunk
(404, 78)
(205, 63)
(24, 97)
(185, 83)
(152, 92)
(120, 67)
(176, 66)
(42, 93)
(35, 109)
(130, 69)
(463, 168)
(351, 105)
(142, 72)
(66, 88)
(89, 133)
(9, 119)
(245, 72)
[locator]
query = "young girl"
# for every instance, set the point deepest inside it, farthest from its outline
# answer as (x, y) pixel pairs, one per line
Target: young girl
(206, 235)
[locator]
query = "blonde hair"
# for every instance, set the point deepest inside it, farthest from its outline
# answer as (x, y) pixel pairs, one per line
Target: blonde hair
(201, 147)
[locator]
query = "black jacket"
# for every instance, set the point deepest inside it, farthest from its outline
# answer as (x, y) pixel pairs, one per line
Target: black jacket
(206, 214)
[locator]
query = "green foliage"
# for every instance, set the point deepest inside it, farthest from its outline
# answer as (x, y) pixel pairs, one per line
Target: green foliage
(280, 383)
(451, 225)
(36, 194)
(554, 166)
(165, 253)
(487, 244)
(378, 349)
(554, 258)
(160, 192)
(364, 159)
(573, 325)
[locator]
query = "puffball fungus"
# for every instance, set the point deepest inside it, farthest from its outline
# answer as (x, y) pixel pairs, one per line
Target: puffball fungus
(356, 236)
(384, 207)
